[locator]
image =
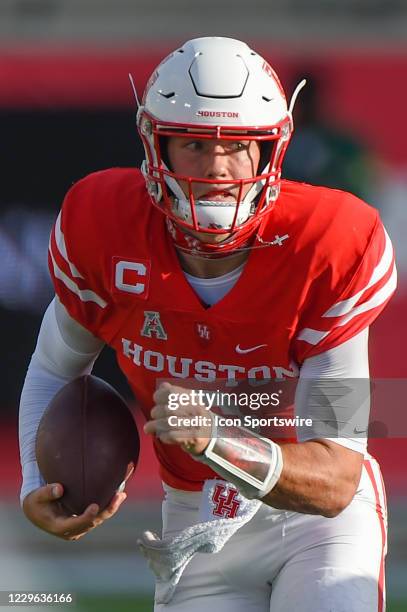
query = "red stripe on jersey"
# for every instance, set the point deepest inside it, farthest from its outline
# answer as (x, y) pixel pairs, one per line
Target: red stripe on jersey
(384, 492)
(379, 510)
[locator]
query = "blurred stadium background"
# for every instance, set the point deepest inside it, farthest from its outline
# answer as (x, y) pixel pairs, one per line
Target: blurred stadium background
(66, 109)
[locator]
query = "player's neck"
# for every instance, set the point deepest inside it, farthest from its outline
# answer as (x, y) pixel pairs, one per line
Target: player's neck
(202, 267)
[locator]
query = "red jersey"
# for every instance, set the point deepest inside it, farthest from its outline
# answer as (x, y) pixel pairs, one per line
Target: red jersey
(324, 273)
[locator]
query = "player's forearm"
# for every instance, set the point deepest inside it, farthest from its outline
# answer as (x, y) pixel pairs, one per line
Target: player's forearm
(318, 478)
(314, 477)
(39, 387)
(57, 359)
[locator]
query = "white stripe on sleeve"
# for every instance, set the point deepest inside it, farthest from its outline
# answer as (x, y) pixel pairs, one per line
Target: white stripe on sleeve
(86, 295)
(345, 306)
(60, 242)
(314, 336)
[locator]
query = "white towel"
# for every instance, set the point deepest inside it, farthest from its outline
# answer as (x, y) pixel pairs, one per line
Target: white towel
(168, 557)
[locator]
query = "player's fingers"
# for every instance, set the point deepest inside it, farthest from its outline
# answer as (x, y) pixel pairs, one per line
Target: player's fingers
(149, 427)
(76, 529)
(157, 426)
(170, 437)
(70, 534)
(91, 511)
(113, 506)
(77, 524)
(159, 411)
(48, 493)
(161, 394)
(73, 537)
(165, 389)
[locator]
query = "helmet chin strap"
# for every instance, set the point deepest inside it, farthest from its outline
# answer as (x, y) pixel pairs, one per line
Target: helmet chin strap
(194, 246)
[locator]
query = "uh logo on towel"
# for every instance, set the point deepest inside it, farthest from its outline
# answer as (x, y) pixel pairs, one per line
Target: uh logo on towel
(225, 503)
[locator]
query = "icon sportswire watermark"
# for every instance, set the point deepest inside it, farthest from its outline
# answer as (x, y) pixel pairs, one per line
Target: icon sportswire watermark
(294, 408)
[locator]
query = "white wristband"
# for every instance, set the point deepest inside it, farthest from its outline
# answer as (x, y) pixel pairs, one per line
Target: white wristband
(251, 462)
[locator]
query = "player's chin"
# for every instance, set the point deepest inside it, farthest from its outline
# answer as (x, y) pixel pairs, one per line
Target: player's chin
(209, 238)
(216, 238)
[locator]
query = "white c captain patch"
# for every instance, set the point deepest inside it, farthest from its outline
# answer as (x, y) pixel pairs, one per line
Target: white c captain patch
(131, 276)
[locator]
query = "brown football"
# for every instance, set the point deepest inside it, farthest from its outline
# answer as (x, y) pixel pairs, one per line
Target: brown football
(88, 441)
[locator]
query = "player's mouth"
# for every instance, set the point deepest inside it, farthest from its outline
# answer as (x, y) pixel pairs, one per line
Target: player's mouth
(216, 195)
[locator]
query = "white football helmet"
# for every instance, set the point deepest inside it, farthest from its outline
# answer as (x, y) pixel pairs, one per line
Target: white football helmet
(214, 88)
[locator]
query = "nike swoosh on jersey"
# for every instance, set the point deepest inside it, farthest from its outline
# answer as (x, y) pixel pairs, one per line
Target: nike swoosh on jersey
(359, 431)
(248, 350)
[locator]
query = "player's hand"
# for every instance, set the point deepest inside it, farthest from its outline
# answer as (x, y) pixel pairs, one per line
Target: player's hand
(191, 438)
(43, 509)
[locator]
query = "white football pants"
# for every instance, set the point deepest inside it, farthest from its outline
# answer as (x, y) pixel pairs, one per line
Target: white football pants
(286, 561)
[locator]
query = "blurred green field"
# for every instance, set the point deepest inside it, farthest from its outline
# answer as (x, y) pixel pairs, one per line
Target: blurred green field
(137, 604)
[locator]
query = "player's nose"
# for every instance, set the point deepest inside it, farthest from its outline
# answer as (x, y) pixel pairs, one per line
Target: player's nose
(216, 163)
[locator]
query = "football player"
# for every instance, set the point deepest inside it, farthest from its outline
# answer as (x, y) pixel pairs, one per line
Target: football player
(206, 266)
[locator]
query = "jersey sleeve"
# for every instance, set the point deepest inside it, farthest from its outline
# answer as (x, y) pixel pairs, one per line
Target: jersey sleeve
(74, 259)
(349, 294)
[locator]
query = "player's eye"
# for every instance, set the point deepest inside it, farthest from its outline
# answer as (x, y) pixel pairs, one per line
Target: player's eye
(194, 145)
(240, 145)
(243, 144)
